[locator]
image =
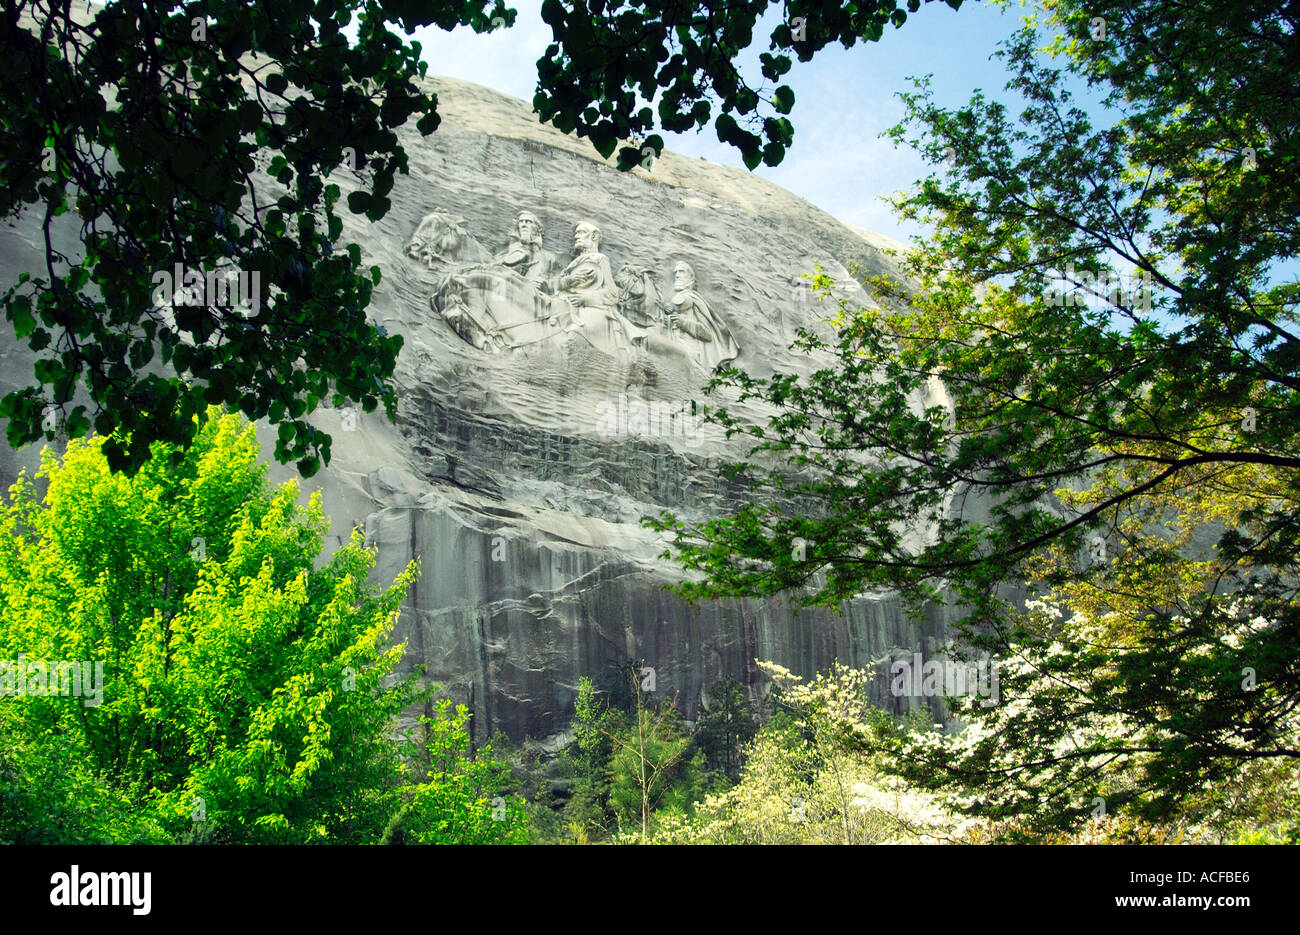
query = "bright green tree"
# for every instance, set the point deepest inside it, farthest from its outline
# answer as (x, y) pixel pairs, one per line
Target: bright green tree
(645, 763)
(462, 797)
(648, 755)
(244, 691)
(586, 810)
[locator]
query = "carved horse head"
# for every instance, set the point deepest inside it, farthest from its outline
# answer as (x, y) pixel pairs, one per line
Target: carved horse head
(638, 296)
(442, 237)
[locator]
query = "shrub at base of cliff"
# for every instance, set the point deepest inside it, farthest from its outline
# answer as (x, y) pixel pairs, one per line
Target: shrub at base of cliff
(813, 775)
(50, 795)
(726, 725)
(233, 691)
(628, 763)
(462, 797)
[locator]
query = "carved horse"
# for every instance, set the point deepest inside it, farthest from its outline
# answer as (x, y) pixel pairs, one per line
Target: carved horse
(494, 308)
(638, 296)
(442, 238)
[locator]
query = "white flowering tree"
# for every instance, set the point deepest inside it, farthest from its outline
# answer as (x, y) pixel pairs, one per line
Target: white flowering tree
(813, 775)
(1151, 696)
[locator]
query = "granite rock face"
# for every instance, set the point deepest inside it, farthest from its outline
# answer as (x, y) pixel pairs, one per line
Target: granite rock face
(559, 317)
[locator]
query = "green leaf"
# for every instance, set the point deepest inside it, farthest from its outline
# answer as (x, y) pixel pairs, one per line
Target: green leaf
(20, 313)
(783, 99)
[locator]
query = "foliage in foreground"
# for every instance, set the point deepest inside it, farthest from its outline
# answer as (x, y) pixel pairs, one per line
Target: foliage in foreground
(247, 694)
(822, 771)
(1089, 388)
(460, 798)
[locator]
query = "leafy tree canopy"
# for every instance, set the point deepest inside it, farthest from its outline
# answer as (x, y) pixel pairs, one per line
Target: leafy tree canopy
(1088, 388)
(135, 129)
(621, 68)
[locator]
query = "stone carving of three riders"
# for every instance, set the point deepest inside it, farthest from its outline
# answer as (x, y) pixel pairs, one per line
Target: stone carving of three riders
(582, 296)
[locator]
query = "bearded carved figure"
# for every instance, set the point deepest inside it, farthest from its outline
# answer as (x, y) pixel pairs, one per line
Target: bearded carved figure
(587, 285)
(690, 315)
(525, 254)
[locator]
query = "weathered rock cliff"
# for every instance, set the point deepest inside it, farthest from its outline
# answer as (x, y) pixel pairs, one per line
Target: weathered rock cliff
(540, 417)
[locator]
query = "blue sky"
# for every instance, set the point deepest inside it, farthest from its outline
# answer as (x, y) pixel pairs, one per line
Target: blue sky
(844, 98)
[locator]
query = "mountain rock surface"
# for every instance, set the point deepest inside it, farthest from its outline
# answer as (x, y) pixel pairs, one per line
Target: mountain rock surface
(559, 318)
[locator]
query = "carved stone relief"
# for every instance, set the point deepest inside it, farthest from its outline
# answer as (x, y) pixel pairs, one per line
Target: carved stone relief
(524, 295)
